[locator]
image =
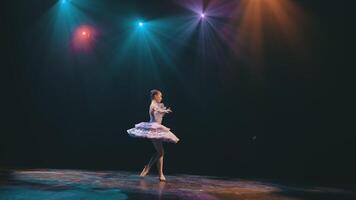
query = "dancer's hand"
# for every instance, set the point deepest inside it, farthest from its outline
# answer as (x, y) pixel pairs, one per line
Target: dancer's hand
(169, 110)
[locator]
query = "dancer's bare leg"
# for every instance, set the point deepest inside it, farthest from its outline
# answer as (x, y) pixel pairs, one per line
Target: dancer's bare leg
(160, 152)
(147, 167)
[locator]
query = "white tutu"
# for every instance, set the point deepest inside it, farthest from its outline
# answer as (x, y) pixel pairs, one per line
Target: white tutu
(153, 130)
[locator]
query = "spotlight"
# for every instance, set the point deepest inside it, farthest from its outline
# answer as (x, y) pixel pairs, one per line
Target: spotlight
(140, 24)
(202, 15)
(84, 32)
(84, 37)
(64, 1)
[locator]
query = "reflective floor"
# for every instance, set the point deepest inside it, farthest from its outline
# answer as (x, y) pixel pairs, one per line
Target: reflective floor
(50, 184)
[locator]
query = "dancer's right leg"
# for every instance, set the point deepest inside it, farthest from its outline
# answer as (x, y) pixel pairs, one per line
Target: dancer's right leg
(152, 161)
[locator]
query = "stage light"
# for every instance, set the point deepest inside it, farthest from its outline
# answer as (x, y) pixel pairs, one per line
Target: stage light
(202, 15)
(140, 24)
(84, 37)
(83, 33)
(64, 1)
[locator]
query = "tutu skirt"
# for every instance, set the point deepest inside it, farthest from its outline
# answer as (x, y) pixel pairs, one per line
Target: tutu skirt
(152, 130)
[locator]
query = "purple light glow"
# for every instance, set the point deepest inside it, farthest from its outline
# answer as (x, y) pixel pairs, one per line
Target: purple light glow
(207, 19)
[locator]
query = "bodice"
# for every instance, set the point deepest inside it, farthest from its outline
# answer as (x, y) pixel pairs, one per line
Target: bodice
(156, 112)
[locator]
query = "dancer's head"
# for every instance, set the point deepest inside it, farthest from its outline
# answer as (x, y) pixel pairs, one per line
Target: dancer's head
(156, 95)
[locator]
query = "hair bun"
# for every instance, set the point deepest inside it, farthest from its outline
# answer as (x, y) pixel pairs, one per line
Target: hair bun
(154, 92)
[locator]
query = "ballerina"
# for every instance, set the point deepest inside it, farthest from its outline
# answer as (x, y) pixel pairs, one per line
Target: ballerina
(156, 132)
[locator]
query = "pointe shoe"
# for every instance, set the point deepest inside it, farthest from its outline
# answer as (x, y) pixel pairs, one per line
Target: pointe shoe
(145, 171)
(162, 178)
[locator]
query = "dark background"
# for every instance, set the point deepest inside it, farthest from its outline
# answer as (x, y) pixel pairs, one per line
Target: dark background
(74, 112)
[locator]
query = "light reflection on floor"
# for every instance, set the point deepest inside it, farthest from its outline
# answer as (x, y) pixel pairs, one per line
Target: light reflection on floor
(53, 184)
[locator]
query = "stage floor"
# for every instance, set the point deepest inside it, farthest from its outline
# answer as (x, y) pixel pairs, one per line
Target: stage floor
(51, 184)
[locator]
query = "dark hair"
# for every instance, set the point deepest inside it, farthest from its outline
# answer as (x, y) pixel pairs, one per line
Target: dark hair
(154, 92)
